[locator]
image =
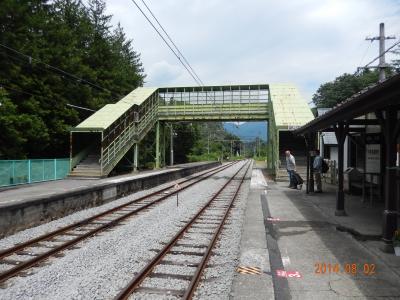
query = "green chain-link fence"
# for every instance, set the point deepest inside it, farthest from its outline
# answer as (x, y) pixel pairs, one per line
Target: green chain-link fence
(14, 172)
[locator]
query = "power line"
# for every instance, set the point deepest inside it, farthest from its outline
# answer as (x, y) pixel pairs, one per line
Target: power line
(365, 53)
(168, 45)
(67, 78)
(381, 38)
(78, 79)
(170, 39)
(80, 107)
(43, 69)
(2, 85)
(391, 47)
(38, 95)
(19, 91)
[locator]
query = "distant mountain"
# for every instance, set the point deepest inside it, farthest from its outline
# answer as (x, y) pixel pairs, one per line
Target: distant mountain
(248, 130)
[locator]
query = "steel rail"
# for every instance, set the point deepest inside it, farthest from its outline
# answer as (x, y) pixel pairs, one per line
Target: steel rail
(148, 268)
(9, 251)
(68, 244)
(199, 271)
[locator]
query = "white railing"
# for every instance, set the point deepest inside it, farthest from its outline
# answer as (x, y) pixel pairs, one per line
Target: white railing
(126, 137)
(134, 132)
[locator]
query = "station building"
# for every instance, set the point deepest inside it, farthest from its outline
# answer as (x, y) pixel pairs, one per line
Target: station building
(362, 135)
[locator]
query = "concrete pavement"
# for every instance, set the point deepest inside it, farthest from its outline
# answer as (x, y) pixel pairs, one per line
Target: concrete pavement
(254, 251)
(296, 234)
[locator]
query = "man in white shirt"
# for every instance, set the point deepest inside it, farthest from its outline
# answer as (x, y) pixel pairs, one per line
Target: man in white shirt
(317, 166)
(291, 168)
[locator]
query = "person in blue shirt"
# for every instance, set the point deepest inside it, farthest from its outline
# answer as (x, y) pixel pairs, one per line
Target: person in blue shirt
(317, 166)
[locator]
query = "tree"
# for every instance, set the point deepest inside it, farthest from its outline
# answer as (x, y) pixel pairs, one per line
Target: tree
(16, 129)
(343, 87)
(184, 141)
(23, 128)
(72, 37)
(396, 62)
(212, 142)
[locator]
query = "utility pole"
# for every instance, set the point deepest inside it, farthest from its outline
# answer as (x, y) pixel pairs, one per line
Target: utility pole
(381, 38)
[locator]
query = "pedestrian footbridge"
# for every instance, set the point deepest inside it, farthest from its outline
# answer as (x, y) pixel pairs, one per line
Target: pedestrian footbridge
(102, 140)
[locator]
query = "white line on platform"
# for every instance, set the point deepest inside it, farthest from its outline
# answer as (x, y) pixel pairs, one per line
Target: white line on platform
(285, 261)
(257, 179)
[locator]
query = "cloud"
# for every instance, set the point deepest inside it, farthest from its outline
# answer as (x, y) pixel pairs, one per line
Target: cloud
(305, 42)
(163, 73)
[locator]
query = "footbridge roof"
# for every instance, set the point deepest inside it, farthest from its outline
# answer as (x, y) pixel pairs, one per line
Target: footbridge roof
(290, 109)
(109, 113)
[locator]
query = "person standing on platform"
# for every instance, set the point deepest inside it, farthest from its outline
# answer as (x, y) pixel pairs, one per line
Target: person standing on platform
(291, 168)
(317, 166)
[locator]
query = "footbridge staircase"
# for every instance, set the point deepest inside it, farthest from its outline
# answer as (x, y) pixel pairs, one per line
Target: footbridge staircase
(102, 140)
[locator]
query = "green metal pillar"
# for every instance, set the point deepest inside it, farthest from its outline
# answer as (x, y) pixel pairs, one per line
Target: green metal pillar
(273, 146)
(171, 145)
(277, 150)
(164, 146)
(271, 139)
(269, 147)
(135, 156)
(157, 166)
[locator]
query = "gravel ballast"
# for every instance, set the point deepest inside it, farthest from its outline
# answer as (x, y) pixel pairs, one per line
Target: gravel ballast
(103, 265)
(217, 279)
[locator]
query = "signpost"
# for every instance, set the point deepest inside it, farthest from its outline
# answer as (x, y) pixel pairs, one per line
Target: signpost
(177, 187)
(373, 158)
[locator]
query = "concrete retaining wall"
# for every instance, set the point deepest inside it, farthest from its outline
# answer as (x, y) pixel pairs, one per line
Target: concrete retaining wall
(18, 216)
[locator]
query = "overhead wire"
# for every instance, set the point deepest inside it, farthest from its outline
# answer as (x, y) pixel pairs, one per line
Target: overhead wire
(58, 70)
(18, 91)
(2, 85)
(365, 53)
(7, 87)
(376, 58)
(170, 39)
(168, 45)
(80, 107)
(40, 68)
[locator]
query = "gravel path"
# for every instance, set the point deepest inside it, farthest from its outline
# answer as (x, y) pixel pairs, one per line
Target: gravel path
(103, 265)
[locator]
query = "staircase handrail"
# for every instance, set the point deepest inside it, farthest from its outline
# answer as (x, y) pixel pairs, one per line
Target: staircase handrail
(134, 132)
(74, 161)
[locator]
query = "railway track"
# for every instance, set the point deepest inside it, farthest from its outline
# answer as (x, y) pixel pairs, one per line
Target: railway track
(208, 222)
(19, 259)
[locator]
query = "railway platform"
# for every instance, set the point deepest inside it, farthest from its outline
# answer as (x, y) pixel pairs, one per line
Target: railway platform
(294, 247)
(252, 279)
(25, 206)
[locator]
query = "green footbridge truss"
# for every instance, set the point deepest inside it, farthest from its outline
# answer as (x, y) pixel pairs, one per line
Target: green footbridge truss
(111, 132)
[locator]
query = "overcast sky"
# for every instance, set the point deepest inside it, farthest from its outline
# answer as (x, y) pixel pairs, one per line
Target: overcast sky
(306, 42)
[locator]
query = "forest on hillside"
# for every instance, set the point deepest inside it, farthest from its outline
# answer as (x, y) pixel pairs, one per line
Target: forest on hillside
(53, 54)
